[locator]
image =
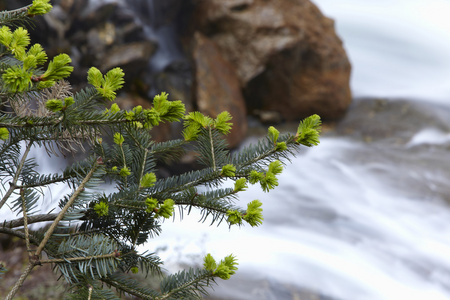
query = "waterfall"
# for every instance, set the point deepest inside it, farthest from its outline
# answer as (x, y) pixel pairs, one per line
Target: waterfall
(356, 217)
(161, 27)
(397, 48)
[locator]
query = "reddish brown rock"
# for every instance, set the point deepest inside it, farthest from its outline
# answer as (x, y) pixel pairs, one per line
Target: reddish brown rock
(132, 57)
(218, 87)
(287, 55)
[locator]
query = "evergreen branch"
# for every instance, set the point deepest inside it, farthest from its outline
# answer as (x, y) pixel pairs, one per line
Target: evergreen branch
(18, 15)
(185, 181)
(25, 222)
(186, 284)
(49, 232)
(13, 184)
(69, 203)
(31, 219)
(144, 160)
(19, 283)
(75, 259)
(18, 234)
(264, 151)
(129, 287)
(45, 182)
(212, 149)
(54, 122)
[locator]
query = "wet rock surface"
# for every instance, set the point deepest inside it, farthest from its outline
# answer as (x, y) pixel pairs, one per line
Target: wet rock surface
(414, 136)
(388, 137)
(218, 87)
(279, 60)
(392, 120)
(286, 53)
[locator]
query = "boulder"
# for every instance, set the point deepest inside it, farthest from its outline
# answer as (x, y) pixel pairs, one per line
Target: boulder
(287, 55)
(131, 57)
(218, 87)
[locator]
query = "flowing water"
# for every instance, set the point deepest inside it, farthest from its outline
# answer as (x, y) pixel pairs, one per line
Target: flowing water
(365, 214)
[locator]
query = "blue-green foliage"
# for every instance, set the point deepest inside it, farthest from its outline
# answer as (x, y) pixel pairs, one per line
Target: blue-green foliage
(116, 197)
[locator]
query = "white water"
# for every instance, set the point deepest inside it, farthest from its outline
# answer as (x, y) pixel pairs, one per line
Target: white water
(398, 48)
(352, 220)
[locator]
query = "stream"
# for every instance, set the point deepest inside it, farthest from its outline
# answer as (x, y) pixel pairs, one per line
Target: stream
(365, 214)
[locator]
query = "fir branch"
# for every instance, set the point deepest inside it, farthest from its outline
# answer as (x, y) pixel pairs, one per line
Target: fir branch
(25, 221)
(69, 203)
(19, 16)
(50, 231)
(13, 184)
(186, 284)
(19, 234)
(31, 219)
(45, 180)
(76, 259)
(212, 149)
(19, 283)
(129, 286)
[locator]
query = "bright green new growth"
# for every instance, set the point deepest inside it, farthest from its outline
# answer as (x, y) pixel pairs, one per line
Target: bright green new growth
(273, 134)
(15, 42)
(39, 54)
(148, 180)
(4, 134)
(224, 270)
(151, 204)
(108, 84)
(113, 109)
(58, 68)
(234, 217)
(240, 185)
(95, 237)
(39, 7)
(267, 180)
(254, 216)
(101, 209)
(54, 105)
(164, 210)
(221, 122)
(194, 121)
(118, 138)
(228, 171)
(308, 131)
(16, 78)
(124, 172)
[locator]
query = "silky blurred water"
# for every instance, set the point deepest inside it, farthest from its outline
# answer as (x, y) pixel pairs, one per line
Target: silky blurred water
(354, 219)
(397, 48)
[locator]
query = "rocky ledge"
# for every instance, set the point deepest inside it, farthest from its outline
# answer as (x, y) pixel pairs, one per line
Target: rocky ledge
(280, 59)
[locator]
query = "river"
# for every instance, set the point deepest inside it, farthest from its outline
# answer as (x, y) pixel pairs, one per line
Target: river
(363, 216)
